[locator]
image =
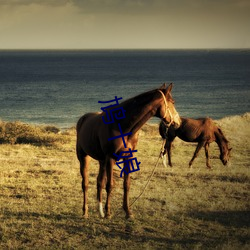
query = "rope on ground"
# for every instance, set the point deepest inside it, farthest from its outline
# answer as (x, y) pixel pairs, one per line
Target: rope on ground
(150, 177)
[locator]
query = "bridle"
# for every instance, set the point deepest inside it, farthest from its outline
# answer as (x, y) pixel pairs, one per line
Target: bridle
(167, 110)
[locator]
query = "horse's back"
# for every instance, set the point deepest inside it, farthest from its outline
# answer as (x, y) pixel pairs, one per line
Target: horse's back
(209, 125)
(199, 122)
(195, 130)
(84, 118)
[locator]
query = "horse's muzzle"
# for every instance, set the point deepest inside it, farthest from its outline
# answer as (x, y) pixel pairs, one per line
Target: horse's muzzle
(225, 163)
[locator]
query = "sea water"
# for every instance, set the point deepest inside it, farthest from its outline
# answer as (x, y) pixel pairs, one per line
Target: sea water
(57, 87)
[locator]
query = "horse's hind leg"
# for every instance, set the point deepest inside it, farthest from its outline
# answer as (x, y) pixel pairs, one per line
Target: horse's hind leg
(100, 186)
(109, 185)
(84, 169)
(197, 150)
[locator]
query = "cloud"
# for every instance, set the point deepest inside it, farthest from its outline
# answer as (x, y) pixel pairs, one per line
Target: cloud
(131, 7)
(40, 26)
(124, 23)
(141, 6)
(16, 3)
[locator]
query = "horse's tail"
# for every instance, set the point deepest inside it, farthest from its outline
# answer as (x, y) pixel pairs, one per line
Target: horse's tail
(79, 124)
(163, 130)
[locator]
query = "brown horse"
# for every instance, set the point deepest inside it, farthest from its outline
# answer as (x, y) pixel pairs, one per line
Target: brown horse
(203, 131)
(93, 135)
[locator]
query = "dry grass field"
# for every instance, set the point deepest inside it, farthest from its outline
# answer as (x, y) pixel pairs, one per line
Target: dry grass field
(182, 208)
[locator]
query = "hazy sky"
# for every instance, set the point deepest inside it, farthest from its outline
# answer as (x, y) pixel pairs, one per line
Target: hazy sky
(91, 24)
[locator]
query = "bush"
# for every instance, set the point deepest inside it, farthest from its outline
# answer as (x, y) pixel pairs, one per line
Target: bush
(52, 129)
(21, 133)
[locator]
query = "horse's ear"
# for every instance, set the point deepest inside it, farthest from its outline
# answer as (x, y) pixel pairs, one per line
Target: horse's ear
(169, 88)
(163, 86)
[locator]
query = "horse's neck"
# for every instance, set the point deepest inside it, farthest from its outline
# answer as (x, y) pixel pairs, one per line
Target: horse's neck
(138, 123)
(221, 141)
(139, 113)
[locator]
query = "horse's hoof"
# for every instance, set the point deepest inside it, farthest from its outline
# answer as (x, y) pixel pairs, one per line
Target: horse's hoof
(101, 216)
(85, 216)
(108, 216)
(164, 160)
(130, 216)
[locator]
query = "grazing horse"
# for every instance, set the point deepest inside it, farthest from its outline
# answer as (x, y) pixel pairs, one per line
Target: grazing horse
(203, 131)
(93, 135)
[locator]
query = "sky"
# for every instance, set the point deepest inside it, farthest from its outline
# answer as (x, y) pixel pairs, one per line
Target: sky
(124, 24)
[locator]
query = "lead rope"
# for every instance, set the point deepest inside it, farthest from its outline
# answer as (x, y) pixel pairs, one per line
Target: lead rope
(150, 177)
(160, 155)
(162, 148)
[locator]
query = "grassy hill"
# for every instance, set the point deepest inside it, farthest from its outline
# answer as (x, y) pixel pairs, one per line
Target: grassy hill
(41, 197)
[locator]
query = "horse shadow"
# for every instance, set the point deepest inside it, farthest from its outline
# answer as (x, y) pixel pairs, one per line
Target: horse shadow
(237, 219)
(93, 229)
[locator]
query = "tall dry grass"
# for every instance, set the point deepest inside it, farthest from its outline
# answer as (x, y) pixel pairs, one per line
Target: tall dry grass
(41, 198)
(21, 133)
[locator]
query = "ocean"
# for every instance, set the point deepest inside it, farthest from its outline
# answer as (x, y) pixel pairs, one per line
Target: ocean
(58, 87)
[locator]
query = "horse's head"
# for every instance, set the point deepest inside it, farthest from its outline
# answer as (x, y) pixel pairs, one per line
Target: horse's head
(224, 148)
(224, 157)
(167, 111)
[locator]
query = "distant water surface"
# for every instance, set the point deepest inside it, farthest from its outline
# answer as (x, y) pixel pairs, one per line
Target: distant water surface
(57, 87)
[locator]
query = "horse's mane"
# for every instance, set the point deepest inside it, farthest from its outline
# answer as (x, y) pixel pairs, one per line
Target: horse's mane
(141, 98)
(220, 136)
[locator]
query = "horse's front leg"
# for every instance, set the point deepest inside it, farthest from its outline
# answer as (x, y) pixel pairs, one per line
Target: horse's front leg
(163, 152)
(169, 147)
(197, 150)
(100, 186)
(109, 186)
(207, 155)
(126, 188)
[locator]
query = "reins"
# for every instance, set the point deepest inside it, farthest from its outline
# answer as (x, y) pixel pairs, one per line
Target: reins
(167, 109)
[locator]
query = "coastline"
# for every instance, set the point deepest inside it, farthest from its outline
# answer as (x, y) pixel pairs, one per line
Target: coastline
(153, 121)
(236, 127)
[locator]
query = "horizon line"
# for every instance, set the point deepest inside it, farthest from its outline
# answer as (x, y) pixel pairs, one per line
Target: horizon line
(114, 49)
